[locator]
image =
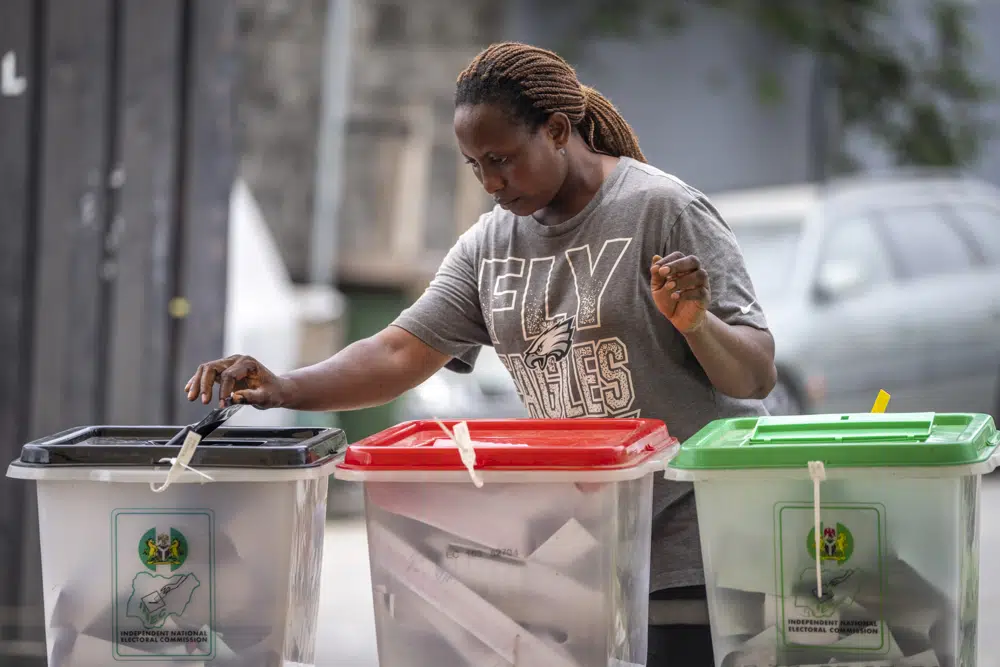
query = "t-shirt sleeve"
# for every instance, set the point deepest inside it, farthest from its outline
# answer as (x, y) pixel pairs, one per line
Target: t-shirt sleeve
(447, 316)
(701, 231)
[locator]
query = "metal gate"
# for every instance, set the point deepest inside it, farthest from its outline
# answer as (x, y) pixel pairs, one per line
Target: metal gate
(116, 163)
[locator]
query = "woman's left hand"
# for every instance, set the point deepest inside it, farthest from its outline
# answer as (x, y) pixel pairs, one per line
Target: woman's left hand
(680, 290)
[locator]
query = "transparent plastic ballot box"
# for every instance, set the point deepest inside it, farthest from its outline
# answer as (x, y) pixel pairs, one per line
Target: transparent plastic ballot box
(220, 565)
(842, 538)
(510, 542)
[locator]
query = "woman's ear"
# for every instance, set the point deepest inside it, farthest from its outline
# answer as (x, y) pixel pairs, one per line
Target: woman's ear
(559, 129)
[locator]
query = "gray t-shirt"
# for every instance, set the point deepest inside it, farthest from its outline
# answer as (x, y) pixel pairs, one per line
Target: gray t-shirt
(569, 310)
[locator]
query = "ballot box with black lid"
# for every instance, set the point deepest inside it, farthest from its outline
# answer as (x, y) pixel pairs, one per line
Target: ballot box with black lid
(510, 542)
(215, 560)
(848, 539)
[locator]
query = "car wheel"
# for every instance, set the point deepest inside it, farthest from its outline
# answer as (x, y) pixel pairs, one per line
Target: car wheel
(783, 400)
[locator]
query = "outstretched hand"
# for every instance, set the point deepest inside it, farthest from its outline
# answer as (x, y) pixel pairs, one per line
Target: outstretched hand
(242, 378)
(680, 290)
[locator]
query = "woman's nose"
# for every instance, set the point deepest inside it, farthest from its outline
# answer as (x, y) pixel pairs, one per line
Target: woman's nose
(492, 181)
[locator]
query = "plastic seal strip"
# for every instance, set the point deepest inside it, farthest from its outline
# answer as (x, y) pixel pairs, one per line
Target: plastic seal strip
(181, 461)
(817, 473)
(463, 441)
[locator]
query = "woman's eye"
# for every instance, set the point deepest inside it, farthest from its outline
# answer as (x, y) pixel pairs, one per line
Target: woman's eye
(499, 160)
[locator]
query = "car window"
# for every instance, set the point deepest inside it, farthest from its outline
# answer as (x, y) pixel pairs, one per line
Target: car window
(924, 242)
(853, 255)
(769, 250)
(982, 222)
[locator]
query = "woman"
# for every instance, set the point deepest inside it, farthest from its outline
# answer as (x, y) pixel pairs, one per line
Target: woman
(607, 287)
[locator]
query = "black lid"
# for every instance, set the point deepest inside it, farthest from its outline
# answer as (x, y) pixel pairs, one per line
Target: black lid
(227, 447)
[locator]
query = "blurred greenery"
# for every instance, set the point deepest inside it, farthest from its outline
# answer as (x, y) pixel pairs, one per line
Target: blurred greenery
(919, 99)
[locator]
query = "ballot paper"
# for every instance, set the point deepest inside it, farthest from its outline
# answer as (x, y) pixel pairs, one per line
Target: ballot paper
(740, 612)
(462, 605)
(875, 610)
(529, 592)
(925, 659)
(567, 546)
(472, 514)
(414, 613)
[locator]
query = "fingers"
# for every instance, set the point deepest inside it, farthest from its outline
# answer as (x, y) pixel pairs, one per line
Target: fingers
(259, 398)
(672, 257)
(656, 277)
(203, 381)
(193, 385)
(236, 372)
(696, 294)
(675, 265)
(692, 280)
(209, 372)
(676, 271)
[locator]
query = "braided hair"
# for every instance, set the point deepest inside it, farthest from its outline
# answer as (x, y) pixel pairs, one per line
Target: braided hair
(532, 84)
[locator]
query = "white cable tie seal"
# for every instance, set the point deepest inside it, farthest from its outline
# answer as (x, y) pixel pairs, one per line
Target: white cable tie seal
(180, 462)
(463, 441)
(817, 473)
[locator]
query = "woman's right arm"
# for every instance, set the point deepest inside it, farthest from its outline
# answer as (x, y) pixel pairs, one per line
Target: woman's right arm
(368, 372)
(375, 370)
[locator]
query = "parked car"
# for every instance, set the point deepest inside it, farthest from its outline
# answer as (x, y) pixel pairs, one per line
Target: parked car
(882, 282)
(889, 282)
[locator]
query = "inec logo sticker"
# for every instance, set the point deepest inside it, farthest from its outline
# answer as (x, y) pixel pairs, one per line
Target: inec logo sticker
(164, 573)
(836, 544)
(845, 616)
(163, 549)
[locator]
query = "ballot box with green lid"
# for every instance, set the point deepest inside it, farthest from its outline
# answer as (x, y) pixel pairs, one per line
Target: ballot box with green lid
(213, 562)
(512, 542)
(847, 538)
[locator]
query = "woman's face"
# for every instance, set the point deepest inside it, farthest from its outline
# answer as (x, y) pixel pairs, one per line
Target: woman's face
(521, 169)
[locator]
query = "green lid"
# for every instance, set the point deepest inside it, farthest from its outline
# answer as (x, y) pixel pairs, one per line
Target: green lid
(864, 440)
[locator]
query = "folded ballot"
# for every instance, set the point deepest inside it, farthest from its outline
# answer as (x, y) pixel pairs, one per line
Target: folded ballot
(528, 592)
(426, 624)
(445, 592)
(511, 517)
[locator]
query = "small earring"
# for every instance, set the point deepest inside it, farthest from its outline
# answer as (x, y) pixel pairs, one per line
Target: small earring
(562, 151)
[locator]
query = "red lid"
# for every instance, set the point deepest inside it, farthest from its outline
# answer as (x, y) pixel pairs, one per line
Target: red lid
(544, 444)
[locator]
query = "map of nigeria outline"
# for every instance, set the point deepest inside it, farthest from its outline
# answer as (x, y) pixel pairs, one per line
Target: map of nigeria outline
(153, 602)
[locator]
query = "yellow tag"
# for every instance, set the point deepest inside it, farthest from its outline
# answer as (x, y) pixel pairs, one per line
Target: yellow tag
(881, 401)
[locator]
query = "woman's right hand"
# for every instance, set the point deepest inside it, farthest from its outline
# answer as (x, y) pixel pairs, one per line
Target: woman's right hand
(243, 378)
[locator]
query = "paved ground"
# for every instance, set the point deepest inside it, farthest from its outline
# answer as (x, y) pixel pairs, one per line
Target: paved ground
(347, 630)
(346, 620)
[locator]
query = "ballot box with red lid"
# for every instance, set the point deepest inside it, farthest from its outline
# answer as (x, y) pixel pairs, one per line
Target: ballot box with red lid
(510, 542)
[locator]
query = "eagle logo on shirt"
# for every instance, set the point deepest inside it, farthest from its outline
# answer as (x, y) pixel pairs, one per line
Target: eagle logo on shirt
(553, 343)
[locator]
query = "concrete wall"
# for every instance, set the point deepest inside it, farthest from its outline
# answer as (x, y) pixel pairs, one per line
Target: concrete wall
(281, 48)
(405, 193)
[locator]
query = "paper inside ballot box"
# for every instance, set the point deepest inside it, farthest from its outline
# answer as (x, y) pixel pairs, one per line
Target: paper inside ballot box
(528, 592)
(461, 604)
(906, 602)
(499, 516)
(424, 625)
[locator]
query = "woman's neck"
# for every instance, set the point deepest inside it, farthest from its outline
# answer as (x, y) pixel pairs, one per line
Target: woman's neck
(587, 171)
